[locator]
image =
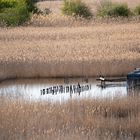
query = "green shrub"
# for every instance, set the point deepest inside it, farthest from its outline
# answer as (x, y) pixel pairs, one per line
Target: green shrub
(31, 6)
(137, 10)
(76, 8)
(7, 4)
(107, 8)
(14, 17)
(120, 10)
(16, 12)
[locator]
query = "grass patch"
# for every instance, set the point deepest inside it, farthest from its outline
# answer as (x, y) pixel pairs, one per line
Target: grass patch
(76, 8)
(108, 8)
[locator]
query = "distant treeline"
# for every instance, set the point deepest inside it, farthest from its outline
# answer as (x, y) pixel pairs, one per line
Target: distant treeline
(17, 12)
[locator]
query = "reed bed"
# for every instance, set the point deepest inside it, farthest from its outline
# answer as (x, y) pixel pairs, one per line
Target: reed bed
(110, 49)
(58, 46)
(106, 119)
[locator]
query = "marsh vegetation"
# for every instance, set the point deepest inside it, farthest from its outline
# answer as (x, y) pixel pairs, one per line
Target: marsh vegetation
(79, 120)
(110, 49)
(56, 45)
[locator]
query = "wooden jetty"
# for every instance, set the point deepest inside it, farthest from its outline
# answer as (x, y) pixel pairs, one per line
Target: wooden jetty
(103, 80)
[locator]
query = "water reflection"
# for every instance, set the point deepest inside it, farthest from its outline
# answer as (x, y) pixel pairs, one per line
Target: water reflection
(32, 89)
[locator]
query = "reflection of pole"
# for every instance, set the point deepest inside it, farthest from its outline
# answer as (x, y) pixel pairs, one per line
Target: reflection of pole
(70, 95)
(79, 89)
(103, 84)
(71, 91)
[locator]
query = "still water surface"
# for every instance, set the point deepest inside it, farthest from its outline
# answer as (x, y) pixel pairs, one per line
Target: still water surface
(32, 89)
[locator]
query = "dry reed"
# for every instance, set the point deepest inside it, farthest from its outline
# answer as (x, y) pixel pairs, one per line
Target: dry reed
(80, 120)
(103, 49)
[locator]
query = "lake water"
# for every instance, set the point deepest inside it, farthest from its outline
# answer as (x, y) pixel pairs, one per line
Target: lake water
(50, 89)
